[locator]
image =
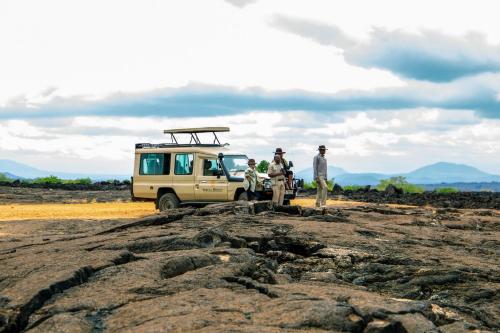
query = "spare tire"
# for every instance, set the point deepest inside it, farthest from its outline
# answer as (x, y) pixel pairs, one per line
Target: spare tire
(168, 201)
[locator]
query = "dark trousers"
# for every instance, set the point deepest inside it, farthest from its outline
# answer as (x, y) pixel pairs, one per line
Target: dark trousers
(252, 195)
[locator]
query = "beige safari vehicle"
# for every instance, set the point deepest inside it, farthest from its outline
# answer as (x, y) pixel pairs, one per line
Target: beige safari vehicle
(173, 174)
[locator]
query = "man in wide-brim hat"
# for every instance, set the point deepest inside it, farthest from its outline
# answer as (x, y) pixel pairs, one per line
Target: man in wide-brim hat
(279, 151)
(276, 172)
(320, 169)
(289, 173)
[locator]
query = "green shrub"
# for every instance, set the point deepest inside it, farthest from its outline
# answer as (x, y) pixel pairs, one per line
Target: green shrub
(412, 188)
(262, 166)
(53, 180)
(313, 185)
(4, 178)
(353, 188)
(446, 190)
(48, 180)
(78, 181)
(329, 184)
(399, 182)
(310, 186)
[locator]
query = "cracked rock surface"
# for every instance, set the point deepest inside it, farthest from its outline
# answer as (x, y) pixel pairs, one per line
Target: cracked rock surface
(242, 267)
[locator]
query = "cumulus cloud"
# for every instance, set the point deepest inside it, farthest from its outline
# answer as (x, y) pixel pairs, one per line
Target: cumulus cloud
(427, 55)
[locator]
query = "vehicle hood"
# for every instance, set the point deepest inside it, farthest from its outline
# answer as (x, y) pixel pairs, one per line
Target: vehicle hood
(262, 175)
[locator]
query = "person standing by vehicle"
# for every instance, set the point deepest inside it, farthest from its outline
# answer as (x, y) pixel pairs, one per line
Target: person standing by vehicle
(250, 181)
(276, 172)
(320, 176)
(286, 166)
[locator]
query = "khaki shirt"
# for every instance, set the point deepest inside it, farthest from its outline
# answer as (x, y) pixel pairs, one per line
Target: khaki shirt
(275, 168)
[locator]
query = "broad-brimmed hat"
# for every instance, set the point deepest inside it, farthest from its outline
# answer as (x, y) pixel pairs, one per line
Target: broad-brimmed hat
(322, 147)
(279, 151)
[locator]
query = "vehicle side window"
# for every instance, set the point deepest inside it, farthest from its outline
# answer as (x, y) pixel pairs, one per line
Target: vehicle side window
(155, 164)
(184, 164)
(210, 167)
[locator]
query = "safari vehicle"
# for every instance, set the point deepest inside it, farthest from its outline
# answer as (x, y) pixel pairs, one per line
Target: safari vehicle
(173, 174)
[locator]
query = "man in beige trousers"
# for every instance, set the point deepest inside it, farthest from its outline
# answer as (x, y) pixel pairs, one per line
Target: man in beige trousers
(276, 172)
(320, 168)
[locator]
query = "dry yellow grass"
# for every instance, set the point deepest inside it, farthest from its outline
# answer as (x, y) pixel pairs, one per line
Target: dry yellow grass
(91, 211)
(112, 210)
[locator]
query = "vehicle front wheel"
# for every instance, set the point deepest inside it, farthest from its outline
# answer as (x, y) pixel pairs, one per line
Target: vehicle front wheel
(168, 201)
(243, 196)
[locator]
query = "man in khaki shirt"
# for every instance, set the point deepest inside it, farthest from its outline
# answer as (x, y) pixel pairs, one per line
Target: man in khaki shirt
(286, 166)
(276, 172)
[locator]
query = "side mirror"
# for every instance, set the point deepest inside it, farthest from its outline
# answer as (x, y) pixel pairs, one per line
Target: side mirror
(219, 173)
(290, 164)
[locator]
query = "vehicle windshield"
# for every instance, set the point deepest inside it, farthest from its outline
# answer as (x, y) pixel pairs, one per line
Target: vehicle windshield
(235, 163)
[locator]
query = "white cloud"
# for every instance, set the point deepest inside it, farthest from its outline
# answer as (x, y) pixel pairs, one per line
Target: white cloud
(359, 141)
(91, 48)
(240, 3)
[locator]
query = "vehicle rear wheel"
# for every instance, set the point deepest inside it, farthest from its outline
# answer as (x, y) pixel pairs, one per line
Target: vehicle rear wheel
(243, 196)
(168, 201)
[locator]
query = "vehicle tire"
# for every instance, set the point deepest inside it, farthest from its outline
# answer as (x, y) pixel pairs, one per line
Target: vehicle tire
(286, 202)
(243, 196)
(168, 201)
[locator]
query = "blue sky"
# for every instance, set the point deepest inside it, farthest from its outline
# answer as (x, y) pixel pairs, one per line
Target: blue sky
(388, 88)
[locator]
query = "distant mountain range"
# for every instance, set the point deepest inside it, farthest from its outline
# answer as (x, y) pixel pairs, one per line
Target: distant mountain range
(15, 170)
(437, 173)
(10, 175)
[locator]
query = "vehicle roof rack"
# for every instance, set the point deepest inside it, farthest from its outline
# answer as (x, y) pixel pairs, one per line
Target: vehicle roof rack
(173, 145)
(195, 140)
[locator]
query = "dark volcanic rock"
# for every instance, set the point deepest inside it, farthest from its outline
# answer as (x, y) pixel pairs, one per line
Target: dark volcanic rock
(242, 267)
(393, 195)
(391, 190)
(337, 189)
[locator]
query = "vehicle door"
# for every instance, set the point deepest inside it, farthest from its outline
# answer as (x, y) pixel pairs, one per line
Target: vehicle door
(152, 172)
(211, 183)
(183, 179)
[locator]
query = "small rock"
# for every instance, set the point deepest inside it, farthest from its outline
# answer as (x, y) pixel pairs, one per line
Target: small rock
(458, 327)
(382, 326)
(415, 323)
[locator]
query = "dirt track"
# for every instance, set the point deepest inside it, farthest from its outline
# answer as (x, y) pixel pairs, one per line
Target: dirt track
(241, 268)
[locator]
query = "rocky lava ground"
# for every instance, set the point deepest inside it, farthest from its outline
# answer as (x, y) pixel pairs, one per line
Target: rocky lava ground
(24, 195)
(242, 267)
